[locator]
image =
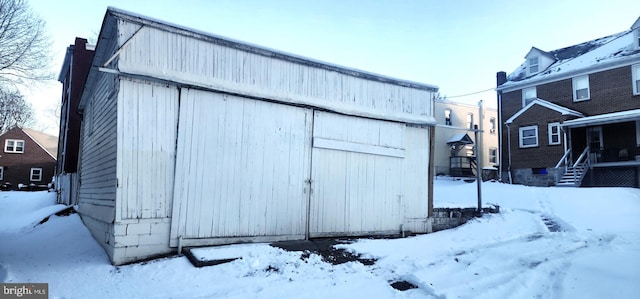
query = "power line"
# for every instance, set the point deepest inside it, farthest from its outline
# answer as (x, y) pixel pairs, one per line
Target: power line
(468, 94)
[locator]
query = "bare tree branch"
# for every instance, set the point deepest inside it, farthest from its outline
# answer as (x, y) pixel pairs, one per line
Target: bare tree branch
(24, 51)
(14, 111)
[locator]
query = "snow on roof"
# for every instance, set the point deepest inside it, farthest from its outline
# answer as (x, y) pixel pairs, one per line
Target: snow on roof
(608, 118)
(560, 109)
(604, 52)
(460, 138)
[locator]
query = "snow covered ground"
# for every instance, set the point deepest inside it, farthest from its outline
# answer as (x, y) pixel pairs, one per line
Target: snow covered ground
(592, 251)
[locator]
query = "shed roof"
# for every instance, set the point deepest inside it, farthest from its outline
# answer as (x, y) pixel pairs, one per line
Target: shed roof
(137, 18)
(104, 55)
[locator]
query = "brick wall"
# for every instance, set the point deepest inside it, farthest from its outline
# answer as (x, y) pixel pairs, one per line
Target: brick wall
(610, 91)
(17, 166)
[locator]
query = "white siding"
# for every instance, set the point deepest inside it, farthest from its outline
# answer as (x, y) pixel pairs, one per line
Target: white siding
(148, 119)
(197, 60)
(357, 190)
(415, 179)
(240, 170)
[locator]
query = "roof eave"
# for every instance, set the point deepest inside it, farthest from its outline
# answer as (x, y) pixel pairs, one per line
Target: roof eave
(516, 85)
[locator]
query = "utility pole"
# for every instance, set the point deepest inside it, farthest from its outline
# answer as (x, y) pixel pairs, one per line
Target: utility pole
(478, 148)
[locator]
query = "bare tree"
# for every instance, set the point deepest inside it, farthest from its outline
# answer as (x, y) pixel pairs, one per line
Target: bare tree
(14, 111)
(24, 52)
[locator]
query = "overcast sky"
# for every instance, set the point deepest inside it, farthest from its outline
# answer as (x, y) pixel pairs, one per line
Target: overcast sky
(456, 45)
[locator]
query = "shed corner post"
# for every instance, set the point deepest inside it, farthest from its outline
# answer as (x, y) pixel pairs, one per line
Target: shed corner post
(432, 136)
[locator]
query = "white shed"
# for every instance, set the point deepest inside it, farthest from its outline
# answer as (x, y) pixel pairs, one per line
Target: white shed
(192, 139)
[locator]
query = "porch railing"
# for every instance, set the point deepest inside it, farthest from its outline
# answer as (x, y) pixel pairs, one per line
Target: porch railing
(565, 161)
(573, 170)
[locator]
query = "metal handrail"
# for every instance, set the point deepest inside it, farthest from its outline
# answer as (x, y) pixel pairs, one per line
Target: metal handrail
(583, 156)
(566, 162)
(564, 159)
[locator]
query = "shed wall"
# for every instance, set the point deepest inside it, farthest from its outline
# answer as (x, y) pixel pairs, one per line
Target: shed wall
(192, 59)
(148, 119)
(241, 169)
(97, 171)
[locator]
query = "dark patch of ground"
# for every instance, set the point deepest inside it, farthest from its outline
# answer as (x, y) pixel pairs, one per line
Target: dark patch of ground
(66, 212)
(403, 285)
(325, 248)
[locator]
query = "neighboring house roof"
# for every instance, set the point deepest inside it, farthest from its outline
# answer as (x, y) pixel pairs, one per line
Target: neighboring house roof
(602, 53)
(48, 142)
(546, 104)
(601, 119)
(460, 138)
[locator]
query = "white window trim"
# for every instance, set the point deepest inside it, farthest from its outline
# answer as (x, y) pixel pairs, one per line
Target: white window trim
(493, 122)
(635, 78)
(1, 172)
(15, 143)
(495, 149)
(525, 99)
(573, 83)
(39, 175)
(470, 120)
(550, 134)
(535, 128)
(530, 65)
(450, 112)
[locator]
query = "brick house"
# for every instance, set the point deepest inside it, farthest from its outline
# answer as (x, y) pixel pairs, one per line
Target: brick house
(27, 159)
(571, 117)
(73, 75)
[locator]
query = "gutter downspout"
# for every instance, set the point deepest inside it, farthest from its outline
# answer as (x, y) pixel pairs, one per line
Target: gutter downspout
(509, 152)
(501, 78)
(500, 164)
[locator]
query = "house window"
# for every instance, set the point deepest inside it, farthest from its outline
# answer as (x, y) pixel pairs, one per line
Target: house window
(14, 146)
(493, 155)
(447, 117)
(635, 76)
(554, 133)
(492, 125)
(528, 95)
(581, 88)
(533, 65)
(1, 172)
(528, 136)
(36, 174)
(470, 121)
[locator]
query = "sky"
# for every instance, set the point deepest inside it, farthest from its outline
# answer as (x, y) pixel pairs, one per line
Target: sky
(456, 45)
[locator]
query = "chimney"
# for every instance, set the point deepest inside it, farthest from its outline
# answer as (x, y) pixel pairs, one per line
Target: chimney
(501, 78)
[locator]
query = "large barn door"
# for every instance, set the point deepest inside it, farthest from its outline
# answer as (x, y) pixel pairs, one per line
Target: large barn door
(241, 170)
(357, 175)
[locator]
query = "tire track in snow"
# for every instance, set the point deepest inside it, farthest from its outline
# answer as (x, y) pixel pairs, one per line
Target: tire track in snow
(495, 272)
